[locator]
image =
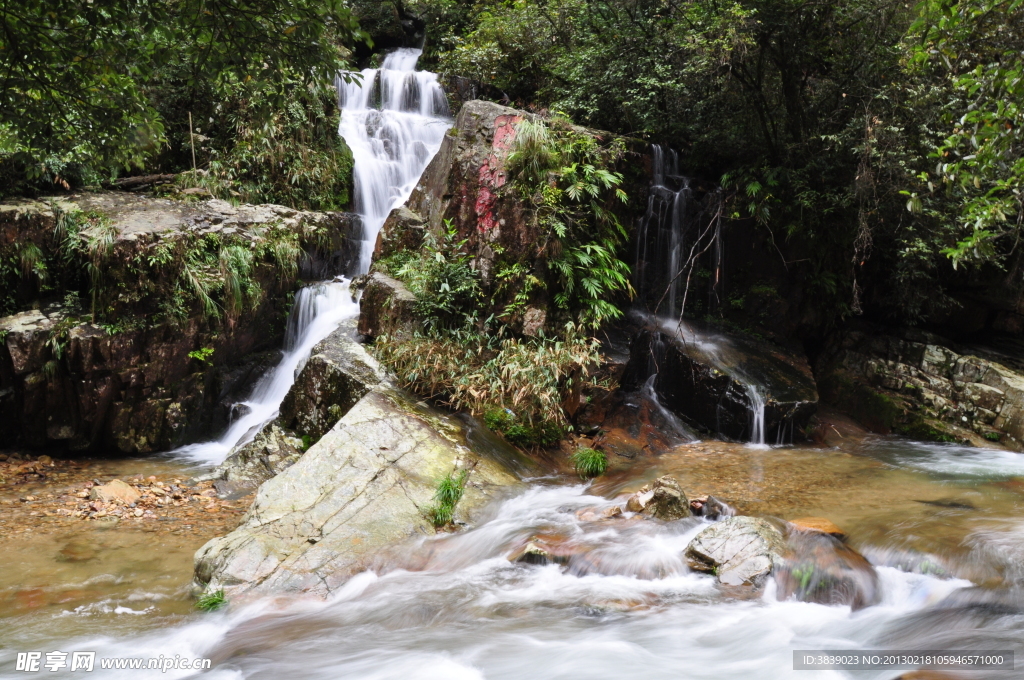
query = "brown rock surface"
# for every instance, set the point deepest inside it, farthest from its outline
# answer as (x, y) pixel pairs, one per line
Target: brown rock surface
(818, 524)
(115, 490)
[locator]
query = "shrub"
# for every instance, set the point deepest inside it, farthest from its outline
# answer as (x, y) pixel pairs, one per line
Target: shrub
(543, 433)
(589, 463)
(477, 364)
(472, 371)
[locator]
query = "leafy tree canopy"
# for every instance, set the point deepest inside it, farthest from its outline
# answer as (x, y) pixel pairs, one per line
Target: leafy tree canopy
(76, 76)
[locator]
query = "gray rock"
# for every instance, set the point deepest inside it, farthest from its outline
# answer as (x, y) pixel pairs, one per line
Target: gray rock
(387, 307)
(739, 550)
(403, 230)
(337, 375)
(709, 387)
(134, 387)
(366, 486)
(271, 451)
(663, 499)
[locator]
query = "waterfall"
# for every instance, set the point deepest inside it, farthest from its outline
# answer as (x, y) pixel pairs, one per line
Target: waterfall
(681, 230)
(318, 310)
(757, 404)
(679, 224)
(394, 120)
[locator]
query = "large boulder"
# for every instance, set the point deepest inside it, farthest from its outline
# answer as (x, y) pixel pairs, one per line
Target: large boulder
(821, 568)
(366, 486)
(922, 385)
(272, 451)
(386, 307)
(465, 188)
(338, 373)
(738, 550)
(713, 380)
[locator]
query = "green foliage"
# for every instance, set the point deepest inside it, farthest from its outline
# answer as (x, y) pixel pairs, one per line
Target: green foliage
(483, 373)
(292, 155)
(546, 432)
(992, 436)
(564, 172)
(973, 48)
(446, 286)
(83, 80)
(589, 463)
(468, 354)
(211, 602)
(447, 496)
(202, 354)
(307, 441)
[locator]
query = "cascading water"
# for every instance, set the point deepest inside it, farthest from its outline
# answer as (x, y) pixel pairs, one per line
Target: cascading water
(394, 120)
(678, 232)
(454, 606)
(678, 236)
(756, 415)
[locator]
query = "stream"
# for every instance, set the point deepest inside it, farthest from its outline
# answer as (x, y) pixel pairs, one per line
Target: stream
(943, 525)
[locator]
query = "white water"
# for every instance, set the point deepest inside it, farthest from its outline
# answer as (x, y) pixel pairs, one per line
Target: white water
(756, 415)
(719, 352)
(317, 312)
(467, 612)
(394, 120)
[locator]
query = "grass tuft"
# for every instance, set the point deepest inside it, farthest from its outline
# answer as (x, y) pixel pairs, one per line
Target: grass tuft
(211, 602)
(449, 493)
(589, 463)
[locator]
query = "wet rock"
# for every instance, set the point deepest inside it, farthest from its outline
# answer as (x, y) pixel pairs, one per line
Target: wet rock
(595, 515)
(271, 451)
(710, 507)
(366, 486)
(115, 490)
(819, 524)
(387, 307)
(664, 499)
(545, 549)
(924, 386)
(739, 550)
(402, 230)
(821, 568)
(909, 561)
(337, 375)
(711, 388)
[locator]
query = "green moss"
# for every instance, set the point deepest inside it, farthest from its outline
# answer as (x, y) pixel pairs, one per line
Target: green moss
(919, 428)
(512, 428)
(874, 410)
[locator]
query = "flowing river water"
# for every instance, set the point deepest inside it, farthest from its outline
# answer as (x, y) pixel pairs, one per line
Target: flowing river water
(943, 526)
